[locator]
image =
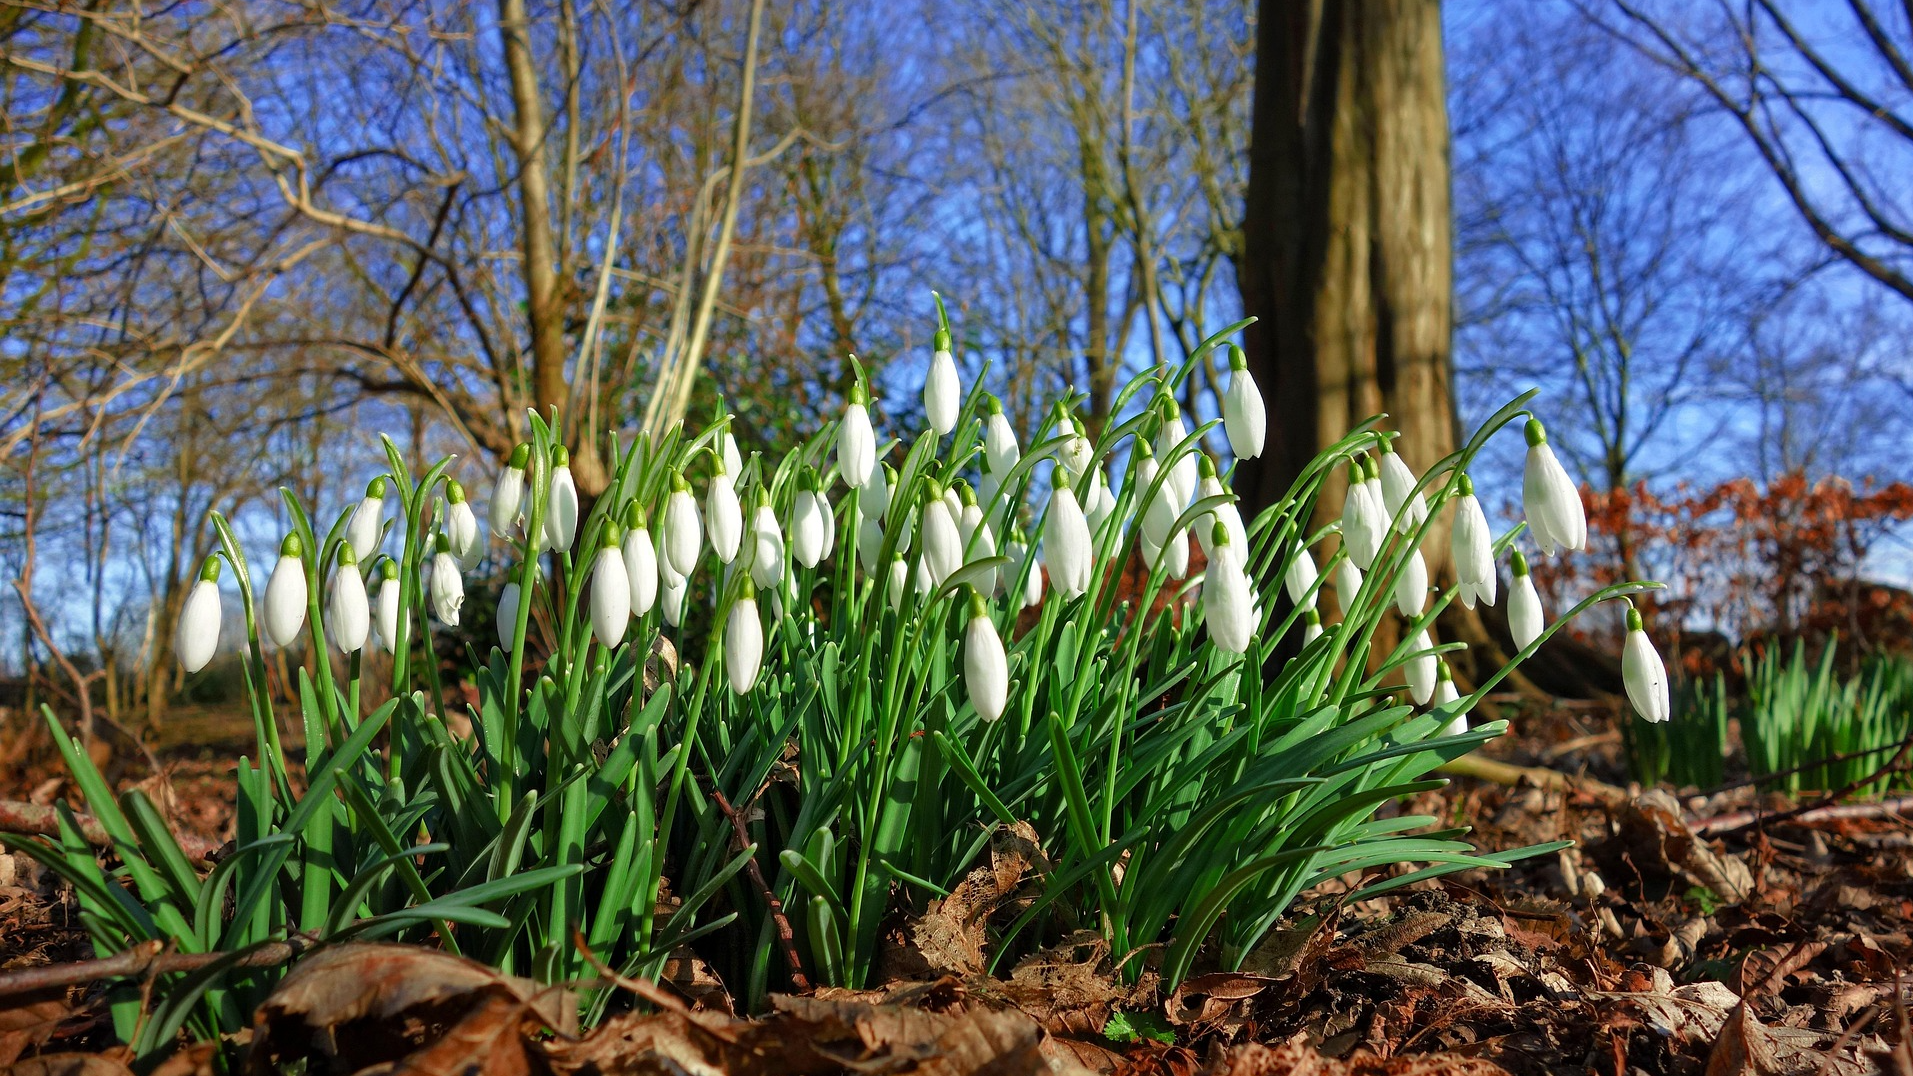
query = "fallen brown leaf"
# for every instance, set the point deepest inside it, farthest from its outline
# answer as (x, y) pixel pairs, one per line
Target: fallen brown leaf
(27, 1022)
(69, 1065)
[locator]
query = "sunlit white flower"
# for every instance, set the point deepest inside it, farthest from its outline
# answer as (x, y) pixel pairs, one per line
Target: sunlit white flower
(507, 616)
(1228, 601)
(286, 593)
(1405, 504)
(953, 501)
(869, 543)
(986, 670)
(508, 493)
(942, 546)
(767, 545)
(1209, 485)
(1066, 544)
(1348, 583)
(683, 530)
(364, 530)
(829, 515)
(856, 442)
(1077, 452)
(1176, 555)
(942, 392)
(385, 607)
(1244, 418)
(1411, 585)
(671, 596)
(1362, 524)
(1446, 695)
(640, 559)
(1102, 502)
(461, 526)
(874, 500)
(899, 581)
(1159, 514)
(610, 595)
(1549, 497)
(743, 642)
(1299, 579)
(1000, 450)
(1018, 551)
(1473, 547)
(347, 620)
(448, 590)
(808, 531)
(1525, 619)
(196, 637)
(1642, 671)
(724, 516)
(561, 508)
(1182, 468)
(727, 448)
(1420, 669)
(1311, 625)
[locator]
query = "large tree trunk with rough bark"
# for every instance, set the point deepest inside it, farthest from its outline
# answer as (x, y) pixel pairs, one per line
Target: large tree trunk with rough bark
(1348, 251)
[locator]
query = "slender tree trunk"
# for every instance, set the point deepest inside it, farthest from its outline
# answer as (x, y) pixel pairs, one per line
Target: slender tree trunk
(1347, 234)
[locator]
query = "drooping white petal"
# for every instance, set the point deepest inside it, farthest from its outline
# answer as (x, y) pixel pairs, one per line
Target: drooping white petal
(1244, 418)
(1446, 695)
(362, 533)
(610, 597)
(869, 543)
(1472, 544)
(347, 620)
(986, 670)
(807, 531)
(561, 509)
(385, 622)
(1078, 453)
(1103, 502)
(196, 637)
(942, 393)
(1066, 543)
(1411, 586)
(683, 530)
(727, 448)
(743, 644)
(1176, 555)
(829, 515)
(1228, 601)
(1399, 492)
(1525, 619)
(1348, 583)
(1550, 499)
(942, 545)
(1299, 579)
(1358, 535)
(671, 596)
(724, 517)
(508, 493)
(1000, 450)
(461, 526)
(640, 569)
(286, 596)
(1311, 625)
(980, 544)
(1226, 514)
(507, 615)
(1420, 670)
(1182, 468)
(448, 590)
(1643, 672)
(856, 443)
(899, 582)
(767, 552)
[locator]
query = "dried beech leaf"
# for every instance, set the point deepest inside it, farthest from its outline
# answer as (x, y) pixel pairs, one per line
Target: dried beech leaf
(28, 1021)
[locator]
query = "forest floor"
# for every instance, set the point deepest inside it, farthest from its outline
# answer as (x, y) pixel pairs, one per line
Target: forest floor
(1680, 936)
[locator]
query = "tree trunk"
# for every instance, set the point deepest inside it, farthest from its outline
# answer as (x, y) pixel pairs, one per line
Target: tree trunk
(1347, 240)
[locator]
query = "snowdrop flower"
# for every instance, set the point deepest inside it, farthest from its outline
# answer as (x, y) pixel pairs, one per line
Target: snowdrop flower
(830, 520)
(899, 581)
(1399, 492)
(986, 671)
(508, 493)
(1019, 554)
(1348, 583)
(1225, 514)
(727, 448)
(1243, 417)
(808, 531)
(942, 393)
(1643, 672)
(1169, 434)
(1524, 605)
(743, 642)
(1228, 602)
(683, 531)
(1176, 555)
(347, 620)
(1000, 450)
(869, 543)
(1411, 586)
(1446, 695)
(1300, 578)
(286, 593)
(1472, 544)
(1066, 545)
(671, 597)
(461, 526)
(507, 615)
(979, 541)
(197, 635)
(942, 546)
(385, 609)
(1363, 527)
(724, 515)
(1102, 502)
(1077, 453)
(448, 590)
(1549, 498)
(767, 545)
(856, 442)
(1159, 515)
(953, 501)
(365, 529)
(640, 559)
(1311, 625)
(610, 595)
(1421, 668)
(561, 508)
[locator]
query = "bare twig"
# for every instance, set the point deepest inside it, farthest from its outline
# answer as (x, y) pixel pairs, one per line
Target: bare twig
(144, 960)
(1810, 814)
(33, 818)
(1507, 773)
(785, 938)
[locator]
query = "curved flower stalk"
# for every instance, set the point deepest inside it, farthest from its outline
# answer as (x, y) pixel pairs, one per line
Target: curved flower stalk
(197, 637)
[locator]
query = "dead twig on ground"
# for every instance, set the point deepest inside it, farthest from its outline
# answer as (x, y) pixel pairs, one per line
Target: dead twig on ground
(145, 960)
(786, 939)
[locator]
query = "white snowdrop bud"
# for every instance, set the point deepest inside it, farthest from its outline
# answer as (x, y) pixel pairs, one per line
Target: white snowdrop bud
(683, 530)
(767, 545)
(286, 593)
(507, 615)
(365, 529)
(1077, 452)
(996, 504)
(807, 529)
(1159, 514)
(856, 442)
(1549, 497)
(1299, 579)
(610, 594)
(448, 590)
(671, 595)
(1228, 602)
(724, 515)
(1472, 544)
(727, 448)
(196, 637)
(1642, 671)
(829, 515)
(508, 493)
(640, 559)
(1405, 505)
(385, 607)
(1363, 525)
(942, 392)
(1209, 485)
(869, 543)
(1348, 583)
(347, 620)
(1311, 625)
(1411, 586)
(1446, 695)
(1182, 468)
(1000, 450)
(899, 581)
(942, 545)
(1243, 417)
(561, 508)
(1525, 619)
(979, 540)
(1102, 501)
(1420, 668)
(743, 642)
(986, 670)
(461, 526)
(1066, 545)
(1176, 555)
(874, 501)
